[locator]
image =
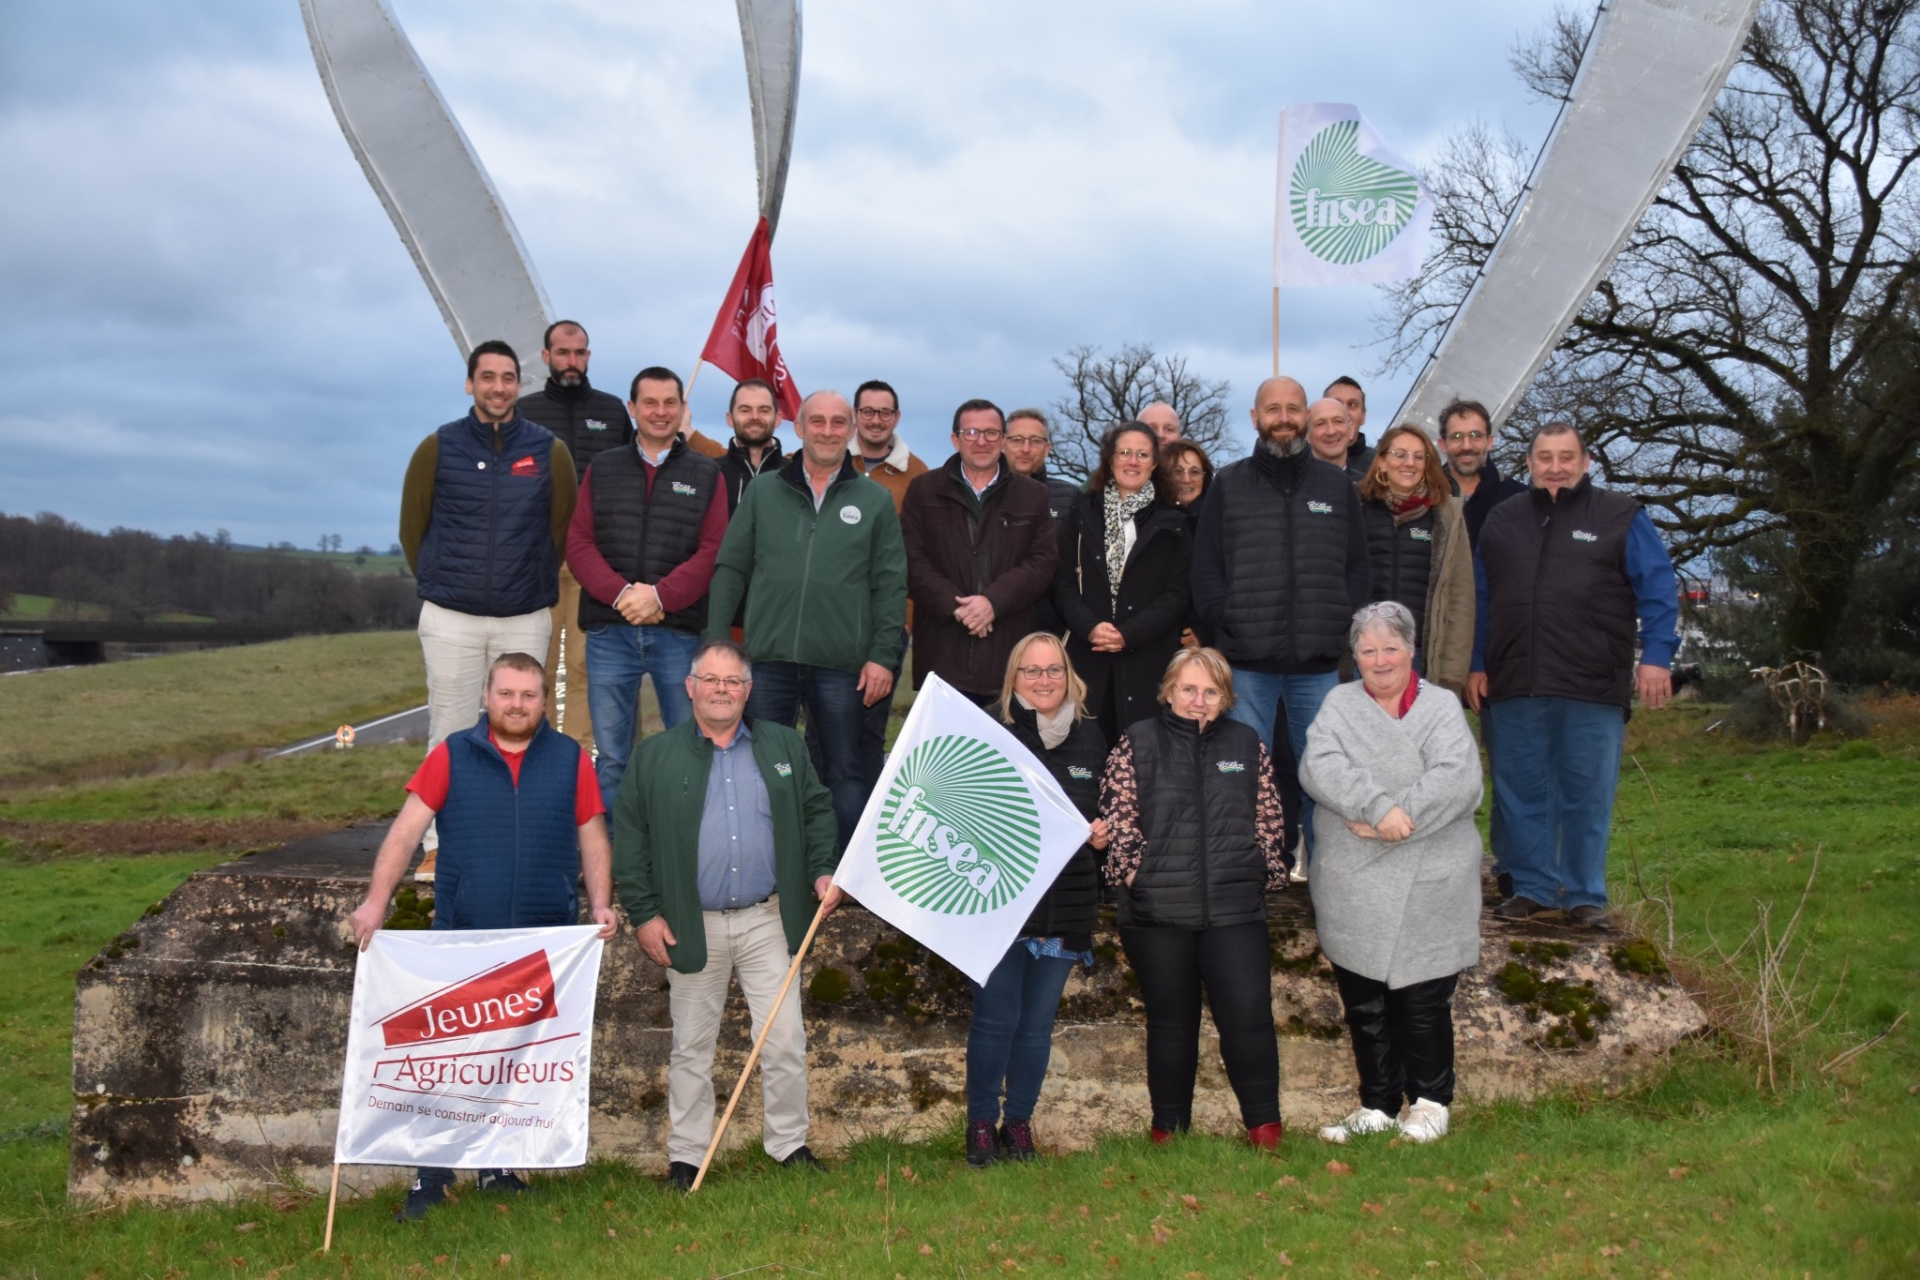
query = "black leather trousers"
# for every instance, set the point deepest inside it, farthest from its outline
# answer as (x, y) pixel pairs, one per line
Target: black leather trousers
(1402, 1039)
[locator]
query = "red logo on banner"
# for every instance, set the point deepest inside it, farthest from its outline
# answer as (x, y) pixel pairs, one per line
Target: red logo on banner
(516, 994)
(743, 343)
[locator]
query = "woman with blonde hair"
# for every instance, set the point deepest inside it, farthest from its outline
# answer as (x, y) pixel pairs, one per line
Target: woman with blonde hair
(1197, 843)
(1043, 704)
(1421, 557)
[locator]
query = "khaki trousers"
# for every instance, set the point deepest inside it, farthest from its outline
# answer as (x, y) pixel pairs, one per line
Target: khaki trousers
(458, 648)
(752, 944)
(578, 721)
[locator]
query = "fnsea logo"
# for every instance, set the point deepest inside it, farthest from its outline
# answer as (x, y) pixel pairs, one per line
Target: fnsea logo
(516, 994)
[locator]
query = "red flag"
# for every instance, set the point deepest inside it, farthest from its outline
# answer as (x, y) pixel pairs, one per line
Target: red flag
(743, 343)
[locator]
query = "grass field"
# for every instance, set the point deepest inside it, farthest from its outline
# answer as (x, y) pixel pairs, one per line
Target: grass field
(1701, 1171)
(182, 709)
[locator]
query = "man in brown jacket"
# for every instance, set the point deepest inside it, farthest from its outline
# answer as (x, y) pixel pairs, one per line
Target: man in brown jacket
(981, 549)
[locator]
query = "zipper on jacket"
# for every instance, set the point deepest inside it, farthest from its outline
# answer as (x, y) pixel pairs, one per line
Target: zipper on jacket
(1293, 583)
(493, 511)
(806, 565)
(1200, 809)
(1533, 614)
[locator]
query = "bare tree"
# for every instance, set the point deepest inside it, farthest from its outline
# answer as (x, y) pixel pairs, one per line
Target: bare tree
(1103, 389)
(1751, 363)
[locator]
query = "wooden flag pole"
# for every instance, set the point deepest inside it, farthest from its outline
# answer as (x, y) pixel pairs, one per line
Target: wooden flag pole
(1276, 331)
(333, 1198)
(691, 379)
(793, 971)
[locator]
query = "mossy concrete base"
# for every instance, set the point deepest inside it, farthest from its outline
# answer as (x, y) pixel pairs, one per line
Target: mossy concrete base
(209, 1038)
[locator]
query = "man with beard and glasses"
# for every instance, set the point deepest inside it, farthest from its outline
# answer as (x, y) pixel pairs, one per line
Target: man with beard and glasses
(754, 447)
(1280, 565)
(586, 420)
(483, 522)
(522, 814)
(1466, 437)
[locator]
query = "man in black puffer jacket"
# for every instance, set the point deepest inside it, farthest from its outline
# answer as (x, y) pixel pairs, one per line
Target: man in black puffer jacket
(1279, 567)
(586, 421)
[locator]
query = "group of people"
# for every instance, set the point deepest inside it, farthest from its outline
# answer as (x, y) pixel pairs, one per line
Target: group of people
(1171, 638)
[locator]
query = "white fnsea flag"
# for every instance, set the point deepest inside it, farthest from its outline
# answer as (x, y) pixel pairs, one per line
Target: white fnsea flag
(962, 836)
(471, 1049)
(1349, 209)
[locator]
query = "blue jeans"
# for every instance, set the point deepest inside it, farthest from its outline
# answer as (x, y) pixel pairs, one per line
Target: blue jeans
(1556, 763)
(1011, 1035)
(832, 700)
(1258, 694)
(617, 656)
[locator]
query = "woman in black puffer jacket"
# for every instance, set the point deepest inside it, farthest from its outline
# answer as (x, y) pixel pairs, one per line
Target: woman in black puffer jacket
(1197, 842)
(1043, 705)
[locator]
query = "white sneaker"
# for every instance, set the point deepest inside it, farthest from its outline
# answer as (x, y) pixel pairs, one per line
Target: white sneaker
(1426, 1120)
(1365, 1120)
(1299, 873)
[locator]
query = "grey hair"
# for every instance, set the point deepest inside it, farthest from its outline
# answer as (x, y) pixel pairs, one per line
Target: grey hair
(1390, 614)
(736, 651)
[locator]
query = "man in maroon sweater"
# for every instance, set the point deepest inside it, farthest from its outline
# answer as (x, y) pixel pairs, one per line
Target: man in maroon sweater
(646, 528)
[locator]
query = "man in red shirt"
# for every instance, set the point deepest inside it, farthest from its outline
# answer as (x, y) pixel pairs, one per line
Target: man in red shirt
(526, 807)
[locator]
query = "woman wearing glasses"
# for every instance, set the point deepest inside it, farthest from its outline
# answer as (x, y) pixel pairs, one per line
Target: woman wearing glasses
(1121, 586)
(1196, 843)
(1396, 871)
(1417, 537)
(1044, 705)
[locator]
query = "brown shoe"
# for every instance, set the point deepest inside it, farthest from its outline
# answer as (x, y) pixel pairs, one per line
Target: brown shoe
(1588, 916)
(1519, 908)
(424, 872)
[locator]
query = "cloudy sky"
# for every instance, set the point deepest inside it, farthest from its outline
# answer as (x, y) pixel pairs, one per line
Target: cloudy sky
(210, 322)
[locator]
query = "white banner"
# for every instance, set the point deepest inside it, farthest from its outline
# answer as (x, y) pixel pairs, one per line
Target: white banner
(963, 835)
(1348, 209)
(471, 1049)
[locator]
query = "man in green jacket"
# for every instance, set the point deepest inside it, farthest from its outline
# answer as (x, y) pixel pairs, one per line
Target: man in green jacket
(815, 551)
(723, 838)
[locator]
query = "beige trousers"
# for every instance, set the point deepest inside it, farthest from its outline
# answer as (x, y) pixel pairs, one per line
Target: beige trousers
(458, 648)
(752, 944)
(567, 633)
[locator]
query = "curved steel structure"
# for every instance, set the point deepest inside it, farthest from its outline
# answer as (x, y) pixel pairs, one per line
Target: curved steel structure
(1651, 72)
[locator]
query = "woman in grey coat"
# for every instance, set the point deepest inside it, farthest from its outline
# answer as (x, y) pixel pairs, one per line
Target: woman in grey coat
(1396, 872)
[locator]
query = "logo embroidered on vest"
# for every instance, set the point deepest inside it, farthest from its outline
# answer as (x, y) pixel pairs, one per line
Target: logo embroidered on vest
(525, 466)
(849, 515)
(1581, 535)
(685, 490)
(1079, 772)
(1420, 535)
(782, 768)
(1320, 508)
(594, 424)
(1231, 766)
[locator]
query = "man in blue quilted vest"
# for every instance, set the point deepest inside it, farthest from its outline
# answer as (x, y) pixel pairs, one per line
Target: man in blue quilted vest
(521, 809)
(483, 520)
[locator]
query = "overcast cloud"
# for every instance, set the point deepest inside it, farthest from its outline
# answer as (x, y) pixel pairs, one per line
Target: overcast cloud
(212, 324)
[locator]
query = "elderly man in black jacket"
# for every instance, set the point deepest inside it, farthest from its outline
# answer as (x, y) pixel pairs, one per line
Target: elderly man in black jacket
(981, 550)
(586, 420)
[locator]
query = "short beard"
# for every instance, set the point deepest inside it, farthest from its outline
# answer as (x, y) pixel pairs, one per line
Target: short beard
(1284, 448)
(570, 377)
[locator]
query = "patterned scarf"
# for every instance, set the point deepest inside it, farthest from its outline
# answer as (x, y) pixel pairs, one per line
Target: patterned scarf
(1409, 507)
(1121, 509)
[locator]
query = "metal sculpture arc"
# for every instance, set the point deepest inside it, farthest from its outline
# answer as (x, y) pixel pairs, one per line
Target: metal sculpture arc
(1651, 72)
(430, 181)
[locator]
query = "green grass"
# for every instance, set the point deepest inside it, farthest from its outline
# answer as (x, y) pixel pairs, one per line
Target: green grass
(128, 717)
(31, 608)
(1693, 1173)
(352, 562)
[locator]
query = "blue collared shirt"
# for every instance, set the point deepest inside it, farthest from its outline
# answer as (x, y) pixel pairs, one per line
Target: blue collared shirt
(736, 828)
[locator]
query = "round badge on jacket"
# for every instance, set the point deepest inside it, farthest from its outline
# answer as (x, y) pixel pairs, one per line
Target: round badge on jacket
(850, 515)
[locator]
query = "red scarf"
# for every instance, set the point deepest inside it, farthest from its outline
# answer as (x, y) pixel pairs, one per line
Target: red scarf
(1411, 503)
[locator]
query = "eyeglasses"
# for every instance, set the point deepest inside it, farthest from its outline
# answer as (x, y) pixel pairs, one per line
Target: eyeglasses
(1192, 471)
(1042, 673)
(1404, 455)
(1466, 437)
(732, 684)
(875, 415)
(979, 433)
(1133, 455)
(1026, 442)
(1192, 691)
